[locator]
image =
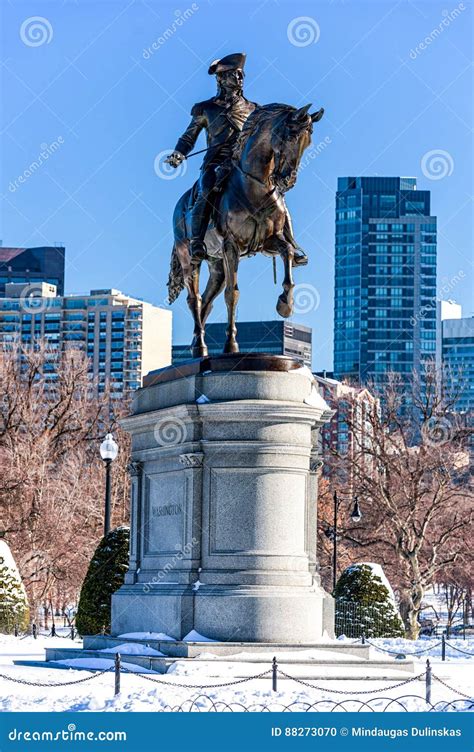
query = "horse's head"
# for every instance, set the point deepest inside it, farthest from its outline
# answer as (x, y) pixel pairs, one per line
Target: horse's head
(289, 140)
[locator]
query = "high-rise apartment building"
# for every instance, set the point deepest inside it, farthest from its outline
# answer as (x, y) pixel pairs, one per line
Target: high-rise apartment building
(385, 278)
(458, 361)
(275, 337)
(124, 338)
(32, 266)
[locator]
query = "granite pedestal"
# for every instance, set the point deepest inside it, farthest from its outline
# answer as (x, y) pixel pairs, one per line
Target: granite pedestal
(224, 504)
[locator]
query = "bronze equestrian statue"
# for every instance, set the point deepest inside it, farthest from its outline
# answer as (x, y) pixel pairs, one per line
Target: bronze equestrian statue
(237, 207)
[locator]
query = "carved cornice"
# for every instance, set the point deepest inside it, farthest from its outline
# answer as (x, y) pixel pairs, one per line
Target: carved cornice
(135, 468)
(193, 459)
(315, 463)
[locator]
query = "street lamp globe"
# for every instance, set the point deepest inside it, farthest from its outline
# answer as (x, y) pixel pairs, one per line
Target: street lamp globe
(109, 448)
(356, 513)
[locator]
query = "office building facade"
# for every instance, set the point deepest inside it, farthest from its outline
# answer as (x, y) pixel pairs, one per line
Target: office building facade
(385, 278)
(274, 337)
(32, 266)
(122, 337)
(458, 361)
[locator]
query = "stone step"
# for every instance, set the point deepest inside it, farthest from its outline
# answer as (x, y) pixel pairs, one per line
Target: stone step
(328, 667)
(179, 649)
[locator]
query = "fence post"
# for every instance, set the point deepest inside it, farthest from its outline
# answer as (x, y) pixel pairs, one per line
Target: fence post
(274, 674)
(34, 631)
(443, 647)
(363, 638)
(428, 681)
(117, 673)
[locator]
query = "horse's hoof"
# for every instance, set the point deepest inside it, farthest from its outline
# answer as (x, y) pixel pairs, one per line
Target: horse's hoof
(199, 351)
(284, 309)
(231, 347)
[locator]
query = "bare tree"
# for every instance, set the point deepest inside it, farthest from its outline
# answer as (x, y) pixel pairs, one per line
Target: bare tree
(51, 474)
(410, 469)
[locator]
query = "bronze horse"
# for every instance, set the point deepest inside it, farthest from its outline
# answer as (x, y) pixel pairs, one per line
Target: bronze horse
(249, 216)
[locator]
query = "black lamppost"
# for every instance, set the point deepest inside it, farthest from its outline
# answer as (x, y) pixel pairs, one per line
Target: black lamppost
(331, 533)
(108, 452)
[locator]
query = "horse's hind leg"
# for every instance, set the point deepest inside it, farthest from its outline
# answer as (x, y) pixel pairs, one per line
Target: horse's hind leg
(191, 281)
(214, 287)
(231, 265)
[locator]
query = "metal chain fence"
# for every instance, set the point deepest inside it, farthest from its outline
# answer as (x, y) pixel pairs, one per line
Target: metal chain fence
(374, 704)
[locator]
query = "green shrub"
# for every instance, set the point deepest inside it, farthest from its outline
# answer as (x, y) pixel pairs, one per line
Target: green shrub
(105, 575)
(13, 600)
(365, 604)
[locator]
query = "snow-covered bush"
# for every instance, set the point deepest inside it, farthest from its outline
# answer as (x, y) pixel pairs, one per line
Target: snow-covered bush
(105, 575)
(13, 600)
(365, 603)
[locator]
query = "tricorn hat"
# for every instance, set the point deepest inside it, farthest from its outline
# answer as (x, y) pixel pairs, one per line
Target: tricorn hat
(227, 63)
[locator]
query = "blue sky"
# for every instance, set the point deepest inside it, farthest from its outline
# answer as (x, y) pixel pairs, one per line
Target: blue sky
(81, 84)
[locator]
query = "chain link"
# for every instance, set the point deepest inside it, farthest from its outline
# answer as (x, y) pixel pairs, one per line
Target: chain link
(350, 692)
(453, 647)
(198, 686)
(456, 691)
(402, 652)
(56, 684)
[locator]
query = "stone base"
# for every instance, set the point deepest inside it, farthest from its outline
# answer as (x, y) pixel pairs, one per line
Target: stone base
(234, 614)
(224, 504)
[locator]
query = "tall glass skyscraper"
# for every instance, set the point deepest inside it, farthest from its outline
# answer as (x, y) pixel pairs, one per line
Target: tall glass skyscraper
(385, 278)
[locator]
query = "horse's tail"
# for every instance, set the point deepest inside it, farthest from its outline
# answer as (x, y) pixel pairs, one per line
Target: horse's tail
(175, 277)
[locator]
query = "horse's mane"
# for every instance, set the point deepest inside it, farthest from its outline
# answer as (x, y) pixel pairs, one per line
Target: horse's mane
(259, 115)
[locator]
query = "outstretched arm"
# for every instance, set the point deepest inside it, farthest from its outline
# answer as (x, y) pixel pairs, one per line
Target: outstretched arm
(185, 144)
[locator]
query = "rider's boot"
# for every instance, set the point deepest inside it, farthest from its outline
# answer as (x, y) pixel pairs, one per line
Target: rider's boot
(198, 251)
(199, 222)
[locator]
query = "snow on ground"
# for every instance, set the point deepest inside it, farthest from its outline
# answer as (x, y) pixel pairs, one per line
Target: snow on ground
(146, 636)
(138, 693)
(132, 648)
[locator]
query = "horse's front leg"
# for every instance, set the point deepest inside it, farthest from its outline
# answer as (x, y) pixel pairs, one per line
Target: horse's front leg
(285, 301)
(231, 265)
